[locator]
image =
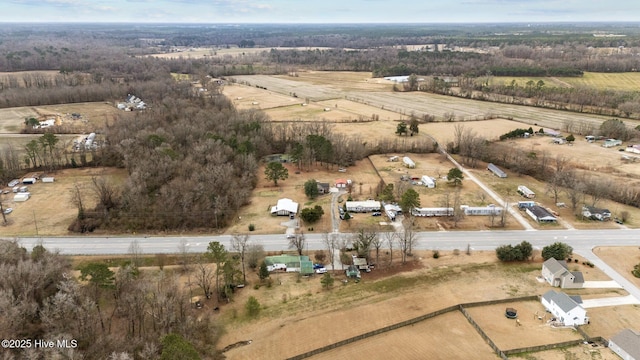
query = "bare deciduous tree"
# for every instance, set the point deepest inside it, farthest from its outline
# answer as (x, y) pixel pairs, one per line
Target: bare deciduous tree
(240, 244)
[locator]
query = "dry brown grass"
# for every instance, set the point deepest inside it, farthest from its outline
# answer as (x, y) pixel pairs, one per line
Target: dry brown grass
(50, 209)
(296, 312)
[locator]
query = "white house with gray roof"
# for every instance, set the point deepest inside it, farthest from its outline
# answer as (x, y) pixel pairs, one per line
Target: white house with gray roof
(556, 273)
(626, 344)
(567, 310)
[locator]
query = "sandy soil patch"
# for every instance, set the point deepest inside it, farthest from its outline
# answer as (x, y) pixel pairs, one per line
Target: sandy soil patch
(50, 209)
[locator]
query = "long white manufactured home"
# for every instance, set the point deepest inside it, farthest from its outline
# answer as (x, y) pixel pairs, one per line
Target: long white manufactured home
(481, 210)
(363, 206)
(428, 181)
(526, 192)
(611, 143)
(429, 212)
(496, 171)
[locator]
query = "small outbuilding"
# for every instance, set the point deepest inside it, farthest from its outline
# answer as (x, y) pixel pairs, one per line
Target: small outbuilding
(285, 207)
(566, 309)
(496, 171)
(341, 183)
(323, 188)
(557, 274)
(626, 344)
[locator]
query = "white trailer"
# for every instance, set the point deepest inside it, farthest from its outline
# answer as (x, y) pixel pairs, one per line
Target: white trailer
(48, 179)
(408, 162)
(21, 197)
(428, 181)
(29, 180)
(526, 192)
(429, 212)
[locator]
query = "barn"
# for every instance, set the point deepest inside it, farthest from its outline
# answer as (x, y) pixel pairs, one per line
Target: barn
(566, 309)
(496, 171)
(285, 207)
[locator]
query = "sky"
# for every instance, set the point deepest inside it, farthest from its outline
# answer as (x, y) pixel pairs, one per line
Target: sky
(319, 11)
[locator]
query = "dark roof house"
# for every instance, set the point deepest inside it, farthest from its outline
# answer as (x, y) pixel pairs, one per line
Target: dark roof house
(540, 214)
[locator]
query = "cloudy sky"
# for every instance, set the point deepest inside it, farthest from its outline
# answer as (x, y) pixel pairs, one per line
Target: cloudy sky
(318, 11)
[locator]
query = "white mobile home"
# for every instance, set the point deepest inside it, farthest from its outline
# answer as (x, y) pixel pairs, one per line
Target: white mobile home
(48, 179)
(428, 181)
(429, 212)
(408, 162)
(481, 210)
(363, 206)
(29, 180)
(21, 197)
(496, 171)
(526, 192)
(611, 143)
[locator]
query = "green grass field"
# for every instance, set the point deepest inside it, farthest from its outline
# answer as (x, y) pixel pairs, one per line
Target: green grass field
(605, 81)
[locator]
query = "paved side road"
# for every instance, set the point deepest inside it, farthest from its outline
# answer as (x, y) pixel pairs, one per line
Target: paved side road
(626, 284)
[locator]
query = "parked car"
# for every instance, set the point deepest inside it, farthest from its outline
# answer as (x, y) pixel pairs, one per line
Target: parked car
(377, 213)
(317, 266)
(321, 270)
(342, 170)
(618, 221)
(8, 210)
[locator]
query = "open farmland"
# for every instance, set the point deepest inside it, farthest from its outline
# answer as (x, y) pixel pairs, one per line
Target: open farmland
(629, 81)
(374, 93)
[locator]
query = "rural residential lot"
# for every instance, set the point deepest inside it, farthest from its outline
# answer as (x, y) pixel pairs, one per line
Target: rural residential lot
(296, 310)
